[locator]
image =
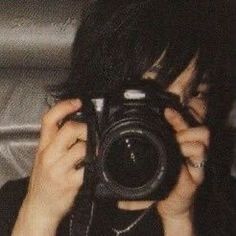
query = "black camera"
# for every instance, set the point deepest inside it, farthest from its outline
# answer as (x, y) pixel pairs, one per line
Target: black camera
(136, 155)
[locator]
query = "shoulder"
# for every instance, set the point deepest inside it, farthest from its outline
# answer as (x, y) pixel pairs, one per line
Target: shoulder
(12, 195)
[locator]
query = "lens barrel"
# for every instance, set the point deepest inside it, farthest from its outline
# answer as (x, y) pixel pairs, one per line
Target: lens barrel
(134, 158)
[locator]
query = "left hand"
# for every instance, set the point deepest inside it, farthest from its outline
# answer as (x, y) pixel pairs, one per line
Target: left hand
(193, 142)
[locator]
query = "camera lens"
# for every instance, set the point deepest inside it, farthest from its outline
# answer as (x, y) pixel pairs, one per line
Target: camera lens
(132, 161)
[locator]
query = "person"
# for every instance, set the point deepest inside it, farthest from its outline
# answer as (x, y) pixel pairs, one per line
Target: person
(182, 46)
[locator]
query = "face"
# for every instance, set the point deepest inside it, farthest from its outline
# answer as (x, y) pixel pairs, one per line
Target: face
(196, 102)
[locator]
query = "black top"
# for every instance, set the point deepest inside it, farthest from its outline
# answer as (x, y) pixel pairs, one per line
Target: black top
(79, 221)
(131, 223)
(105, 217)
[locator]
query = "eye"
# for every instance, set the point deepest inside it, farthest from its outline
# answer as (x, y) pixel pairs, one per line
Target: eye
(201, 92)
(196, 97)
(200, 95)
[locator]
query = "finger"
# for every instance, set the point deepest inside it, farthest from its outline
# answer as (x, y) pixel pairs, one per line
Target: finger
(78, 176)
(175, 120)
(75, 155)
(197, 174)
(53, 117)
(194, 153)
(193, 150)
(68, 135)
(198, 134)
(184, 187)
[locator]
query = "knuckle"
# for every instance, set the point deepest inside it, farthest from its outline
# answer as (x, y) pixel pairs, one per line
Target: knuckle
(79, 151)
(82, 127)
(73, 126)
(70, 125)
(201, 149)
(45, 158)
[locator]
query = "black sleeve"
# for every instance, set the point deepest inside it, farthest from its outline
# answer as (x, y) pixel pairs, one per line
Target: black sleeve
(12, 195)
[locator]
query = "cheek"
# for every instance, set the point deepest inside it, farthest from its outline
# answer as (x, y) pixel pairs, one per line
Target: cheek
(198, 108)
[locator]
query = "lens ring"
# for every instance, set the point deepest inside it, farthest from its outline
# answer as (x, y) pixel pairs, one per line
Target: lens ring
(155, 141)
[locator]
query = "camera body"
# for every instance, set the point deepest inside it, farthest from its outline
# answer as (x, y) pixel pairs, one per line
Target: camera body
(137, 156)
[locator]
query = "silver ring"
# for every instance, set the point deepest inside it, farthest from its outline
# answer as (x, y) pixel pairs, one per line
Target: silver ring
(196, 164)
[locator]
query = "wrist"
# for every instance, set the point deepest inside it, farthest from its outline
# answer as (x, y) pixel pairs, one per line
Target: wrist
(174, 224)
(182, 226)
(32, 222)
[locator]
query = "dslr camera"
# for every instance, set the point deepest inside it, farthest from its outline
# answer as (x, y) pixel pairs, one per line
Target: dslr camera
(132, 153)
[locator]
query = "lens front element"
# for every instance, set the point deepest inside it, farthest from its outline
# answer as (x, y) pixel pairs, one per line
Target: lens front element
(132, 161)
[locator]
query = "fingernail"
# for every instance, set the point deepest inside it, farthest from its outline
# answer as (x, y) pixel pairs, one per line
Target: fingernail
(169, 112)
(76, 103)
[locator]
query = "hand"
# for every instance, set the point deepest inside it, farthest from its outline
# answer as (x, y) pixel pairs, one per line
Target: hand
(55, 182)
(193, 143)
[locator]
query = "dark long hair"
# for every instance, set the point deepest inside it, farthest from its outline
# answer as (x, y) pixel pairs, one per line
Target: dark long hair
(121, 39)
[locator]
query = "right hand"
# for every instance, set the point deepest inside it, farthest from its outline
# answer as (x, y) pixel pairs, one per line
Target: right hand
(55, 182)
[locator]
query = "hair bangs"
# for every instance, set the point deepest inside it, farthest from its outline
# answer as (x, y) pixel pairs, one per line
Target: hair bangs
(119, 42)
